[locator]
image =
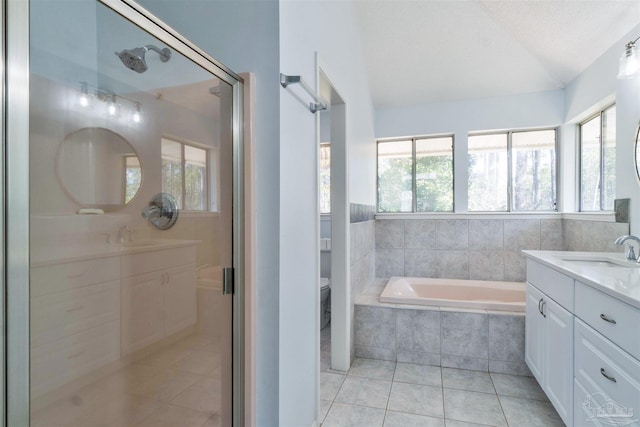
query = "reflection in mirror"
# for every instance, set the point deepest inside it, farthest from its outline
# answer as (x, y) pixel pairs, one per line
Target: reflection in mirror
(98, 168)
(638, 151)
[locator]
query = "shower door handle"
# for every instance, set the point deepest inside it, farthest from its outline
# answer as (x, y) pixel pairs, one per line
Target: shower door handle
(227, 281)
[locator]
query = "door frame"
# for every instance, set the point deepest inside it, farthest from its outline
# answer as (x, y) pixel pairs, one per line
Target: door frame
(16, 199)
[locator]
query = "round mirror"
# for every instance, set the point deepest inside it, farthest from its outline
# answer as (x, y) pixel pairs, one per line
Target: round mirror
(638, 151)
(98, 168)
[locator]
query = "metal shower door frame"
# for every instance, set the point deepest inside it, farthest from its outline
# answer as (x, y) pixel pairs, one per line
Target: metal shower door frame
(14, 217)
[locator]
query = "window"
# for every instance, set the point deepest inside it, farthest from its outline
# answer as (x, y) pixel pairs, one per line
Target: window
(416, 175)
(325, 177)
(185, 174)
(512, 171)
(598, 161)
(132, 177)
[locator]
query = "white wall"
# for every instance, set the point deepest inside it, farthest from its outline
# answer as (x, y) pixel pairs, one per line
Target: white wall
(243, 35)
(541, 109)
(598, 86)
(328, 28)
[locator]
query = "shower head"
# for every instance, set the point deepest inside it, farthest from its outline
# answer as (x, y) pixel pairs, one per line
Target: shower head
(134, 60)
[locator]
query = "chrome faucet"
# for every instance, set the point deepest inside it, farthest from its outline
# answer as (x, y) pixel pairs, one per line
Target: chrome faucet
(121, 231)
(629, 252)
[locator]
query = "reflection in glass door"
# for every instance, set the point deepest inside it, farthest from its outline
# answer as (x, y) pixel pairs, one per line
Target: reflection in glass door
(131, 193)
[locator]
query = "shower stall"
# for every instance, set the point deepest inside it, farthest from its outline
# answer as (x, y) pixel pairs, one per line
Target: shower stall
(122, 177)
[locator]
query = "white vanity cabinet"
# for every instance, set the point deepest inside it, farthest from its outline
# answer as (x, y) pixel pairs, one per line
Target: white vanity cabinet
(75, 320)
(158, 296)
(583, 342)
(549, 338)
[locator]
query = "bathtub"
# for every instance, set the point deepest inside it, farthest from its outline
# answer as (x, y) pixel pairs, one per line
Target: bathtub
(473, 294)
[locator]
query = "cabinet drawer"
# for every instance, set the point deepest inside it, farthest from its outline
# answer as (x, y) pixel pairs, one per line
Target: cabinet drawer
(592, 304)
(72, 275)
(556, 285)
(157, 260)
(55, 316)
(596, 357)
(59, 362)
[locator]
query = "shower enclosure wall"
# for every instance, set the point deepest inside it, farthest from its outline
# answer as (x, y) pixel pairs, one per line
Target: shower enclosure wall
(114, 317)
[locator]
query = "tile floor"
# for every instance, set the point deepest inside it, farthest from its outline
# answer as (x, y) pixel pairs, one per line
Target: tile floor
(178, 386)
(394, 394)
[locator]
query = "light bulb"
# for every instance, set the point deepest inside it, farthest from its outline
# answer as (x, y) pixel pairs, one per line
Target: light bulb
(137, 115)
(629, 62)
(84, 99)
(112, 107)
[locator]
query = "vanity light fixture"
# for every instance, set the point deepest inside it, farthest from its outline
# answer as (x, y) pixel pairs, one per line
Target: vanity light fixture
(112, 100)
(112, 105)
(629, 61)
(137, 115)
(84, 99)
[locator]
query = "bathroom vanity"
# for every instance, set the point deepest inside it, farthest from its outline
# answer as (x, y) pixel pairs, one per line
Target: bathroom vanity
(582, 334)
(94, 307)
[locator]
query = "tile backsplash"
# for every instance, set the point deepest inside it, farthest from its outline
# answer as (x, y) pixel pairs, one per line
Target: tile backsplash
(481, 249)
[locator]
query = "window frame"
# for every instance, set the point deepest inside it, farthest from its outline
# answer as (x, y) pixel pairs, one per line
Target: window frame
(183, 160)
(414, 202)
(601, 175)
(510, 176)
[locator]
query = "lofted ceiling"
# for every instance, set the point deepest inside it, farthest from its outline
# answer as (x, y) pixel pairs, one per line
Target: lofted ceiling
(426, 51)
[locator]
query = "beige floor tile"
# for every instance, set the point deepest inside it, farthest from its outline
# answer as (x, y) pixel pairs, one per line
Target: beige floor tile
(196, 398)
(166, 385)
(173, 416)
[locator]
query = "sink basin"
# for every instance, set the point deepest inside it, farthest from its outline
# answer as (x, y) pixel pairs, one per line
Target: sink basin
(600, 261)
(141, 243)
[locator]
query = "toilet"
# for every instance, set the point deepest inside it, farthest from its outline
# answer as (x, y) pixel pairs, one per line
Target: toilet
(325, 302)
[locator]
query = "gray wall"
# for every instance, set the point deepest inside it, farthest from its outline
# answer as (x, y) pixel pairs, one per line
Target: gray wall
(481, 249)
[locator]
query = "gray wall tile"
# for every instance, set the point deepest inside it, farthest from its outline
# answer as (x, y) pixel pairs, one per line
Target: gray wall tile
(464, 334)
(506, 337)
(389, 233)
(418, 330)
(375, 327)
(419, 234)
(452, 234)
(486, 265)
(452, 264)
(551, 234)
(485, 235)
(521, 234)
(375, 353)
(389, 262)
(419, 263)
(511, 368)
(515, 267)
(462, 362)
(432, 359)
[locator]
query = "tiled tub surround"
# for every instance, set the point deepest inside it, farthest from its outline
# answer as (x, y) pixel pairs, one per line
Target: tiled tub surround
(480, 340)
(481, 249)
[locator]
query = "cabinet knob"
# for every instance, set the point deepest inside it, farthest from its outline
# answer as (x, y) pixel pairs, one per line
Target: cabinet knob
(604, 374)
(607, 319)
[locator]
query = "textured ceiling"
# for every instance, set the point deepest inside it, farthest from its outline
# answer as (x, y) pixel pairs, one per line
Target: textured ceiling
(424, 51)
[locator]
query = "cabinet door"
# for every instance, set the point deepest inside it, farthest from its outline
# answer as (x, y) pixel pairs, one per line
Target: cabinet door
(534, 338)
(180, 299)
(558, 358)
(142, 311)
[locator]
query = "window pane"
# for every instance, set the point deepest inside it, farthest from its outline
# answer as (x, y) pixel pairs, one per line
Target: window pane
(434, 174)
(133, 177)
(590, 165)
(395, 186)
(195, 178)
(609, 147)
(172, 169)
(533, 166)
(488, 172)
(325, 178)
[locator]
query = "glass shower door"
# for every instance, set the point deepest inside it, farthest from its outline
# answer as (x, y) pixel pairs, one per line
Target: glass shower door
(131, 224)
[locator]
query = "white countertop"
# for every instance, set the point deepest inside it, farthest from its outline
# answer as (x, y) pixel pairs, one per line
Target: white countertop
(44, 256)
(620, 282)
